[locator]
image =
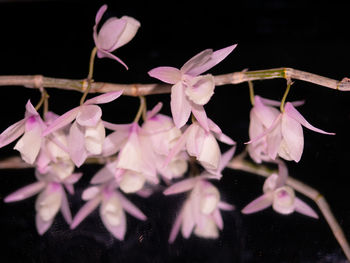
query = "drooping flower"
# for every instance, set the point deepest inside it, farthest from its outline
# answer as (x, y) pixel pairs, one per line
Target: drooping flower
(31, 127)
(87, 133)
(51, 199)
(112, 209)
(280, 196)
(202, 144)
(275, 133)
(113, 34)
(201, 210)
(190, 90)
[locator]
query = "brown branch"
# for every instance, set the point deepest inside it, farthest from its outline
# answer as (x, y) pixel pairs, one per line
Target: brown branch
(39, 82)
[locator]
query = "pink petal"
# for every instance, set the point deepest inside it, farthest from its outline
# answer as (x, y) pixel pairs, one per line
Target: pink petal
(199, 112)
(180, 187)
(117, 231)
(130, 30)
(104, 54)
(131, 208)
(62, 121)
(303, 208)
(103, 175)
(226, 158)
(215, 58)
(73, 178)
(25, 192)
(188, 222)
(166, 74)
(118, 127)
(65, 208)
(293, 138)
(265, 114)
(104, 98)
(225, 206)
(89, 115)
(12, 133)
(175, 228)
(190, 66)
(275, 123)
(76, 142)
(41, 225)
(30, 143)
(273, 140)
(30, 110)
(258, 204)
(114, 142)
(84, 211)
(110, 33)
(155, 110)
(293, 113)
(100, 13)
(180, 107)
(218, 219)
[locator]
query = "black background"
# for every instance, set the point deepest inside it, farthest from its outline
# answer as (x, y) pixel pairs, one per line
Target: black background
(54, 38)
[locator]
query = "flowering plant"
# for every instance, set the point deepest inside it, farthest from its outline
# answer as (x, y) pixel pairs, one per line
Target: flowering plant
(177, 153)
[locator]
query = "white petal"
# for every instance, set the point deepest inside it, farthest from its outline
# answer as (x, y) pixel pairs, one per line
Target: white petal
(131, 182)
(200, 89)
(283, 200)
(94, 138)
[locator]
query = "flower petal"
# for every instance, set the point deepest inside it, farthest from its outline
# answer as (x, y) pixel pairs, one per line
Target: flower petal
(110, 33)
(41, 225)
(104, 98)
(293, 138)
(169, 75)
(131, 27)
(293, 113)
(258, 204)
(12, 133)
(65, 208)
(191, 65)
(303, 208)
(130, 207)
(176, 227)
(25, 192)
(180, 187)
(215, 58)
(62, 121)
(201, 89)
(76, 143)
(89, 115)
(180, 106)
(100, 13)
(105, 54)
(84, 211)
(201, 116)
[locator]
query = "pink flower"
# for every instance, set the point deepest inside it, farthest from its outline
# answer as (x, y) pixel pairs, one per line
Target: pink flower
(112, 209)
(31, 128)
(134, 165)
(201, 210)
(190, 91)
(274, 133)
(51, 199)
(87, 133)
(113, 34)
(280, 196)
(202, 144)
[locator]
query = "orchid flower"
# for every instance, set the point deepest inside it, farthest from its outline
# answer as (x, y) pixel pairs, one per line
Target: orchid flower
(112, 209)
(134, 165)
(50, 200)
(31, 127)
(275, 133)
(190, 90)
(87, 133)
(280, 196)
(201, 210)
(202, 144)
(113, 34)
(162, 136)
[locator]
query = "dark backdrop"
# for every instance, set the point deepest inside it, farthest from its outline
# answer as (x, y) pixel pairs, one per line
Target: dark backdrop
(54, 38)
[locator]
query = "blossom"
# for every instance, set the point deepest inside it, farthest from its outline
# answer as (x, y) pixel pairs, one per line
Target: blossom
(190, 90)
(31, 127)
(280, 196)
(113, 34)
(201, 210)
(50, 200)
(112, 209)
(87, 133)
(275, 133)
(134, 165)
(202, 144)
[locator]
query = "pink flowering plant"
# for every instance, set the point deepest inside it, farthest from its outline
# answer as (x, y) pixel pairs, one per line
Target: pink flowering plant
(181, 153)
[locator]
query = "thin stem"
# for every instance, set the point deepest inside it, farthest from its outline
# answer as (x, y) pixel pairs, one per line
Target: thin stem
(289, 83)
(251, 92)
(91, 72)
(43, 101)
(141, 108)
(135, 90)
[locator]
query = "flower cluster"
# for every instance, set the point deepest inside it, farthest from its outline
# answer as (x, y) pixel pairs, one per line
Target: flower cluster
(183, 155)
